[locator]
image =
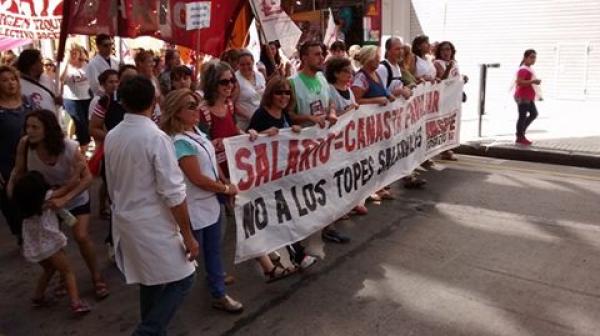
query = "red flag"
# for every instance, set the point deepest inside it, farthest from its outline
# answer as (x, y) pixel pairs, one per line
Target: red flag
(200, 25)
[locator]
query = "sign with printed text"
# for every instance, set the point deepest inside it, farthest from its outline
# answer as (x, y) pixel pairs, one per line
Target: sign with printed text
(34, 20)
(197, 15)
(294, 184)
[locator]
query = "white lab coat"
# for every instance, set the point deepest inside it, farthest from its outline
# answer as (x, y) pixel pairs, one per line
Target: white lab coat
(144, 181)
(97, 66)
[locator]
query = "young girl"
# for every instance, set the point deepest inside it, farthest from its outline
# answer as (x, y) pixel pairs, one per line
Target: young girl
(525, 95)
(43, 242)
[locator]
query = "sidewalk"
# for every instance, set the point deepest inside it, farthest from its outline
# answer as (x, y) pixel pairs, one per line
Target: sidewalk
(565, 133)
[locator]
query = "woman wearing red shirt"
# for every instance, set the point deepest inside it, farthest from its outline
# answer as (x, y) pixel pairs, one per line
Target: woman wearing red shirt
(216, 112)
(525, 95)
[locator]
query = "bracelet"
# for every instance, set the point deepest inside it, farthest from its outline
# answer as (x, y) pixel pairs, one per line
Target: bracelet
(226, 189)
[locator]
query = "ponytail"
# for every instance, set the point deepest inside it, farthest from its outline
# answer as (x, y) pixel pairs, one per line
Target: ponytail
(527, 53)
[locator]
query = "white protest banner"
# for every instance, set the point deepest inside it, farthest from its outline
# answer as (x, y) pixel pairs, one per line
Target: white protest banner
(292, 185)
(34, 20)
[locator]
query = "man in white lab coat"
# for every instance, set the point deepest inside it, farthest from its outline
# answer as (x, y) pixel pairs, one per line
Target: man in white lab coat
(154, 245)
(101, 62)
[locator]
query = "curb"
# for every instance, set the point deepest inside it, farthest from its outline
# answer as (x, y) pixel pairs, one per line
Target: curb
(564, 158)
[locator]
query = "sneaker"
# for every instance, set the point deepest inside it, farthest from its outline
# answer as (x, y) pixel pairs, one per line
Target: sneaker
(333, 236)
(307, 262)
(228, 305)
(523, 141)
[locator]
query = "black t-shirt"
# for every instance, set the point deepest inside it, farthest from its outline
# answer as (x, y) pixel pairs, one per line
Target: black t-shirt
(262, 120)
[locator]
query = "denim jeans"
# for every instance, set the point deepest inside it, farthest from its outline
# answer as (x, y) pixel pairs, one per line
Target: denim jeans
(209, 239)
(527, 114)
(159, 303)
(78, 110)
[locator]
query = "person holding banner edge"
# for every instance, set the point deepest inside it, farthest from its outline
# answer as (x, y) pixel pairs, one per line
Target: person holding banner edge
(390, 72)
(313, 103)
(338, 71)
(271, 116)
(369, 88)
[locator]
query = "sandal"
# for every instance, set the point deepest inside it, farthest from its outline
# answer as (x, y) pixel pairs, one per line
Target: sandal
(276, 259)
(375, 198)
(278, 273)
(80, 308)
(101, 290)
(448, 156)
(385, 195)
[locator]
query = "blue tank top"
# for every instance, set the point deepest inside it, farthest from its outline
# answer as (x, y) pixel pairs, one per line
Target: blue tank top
(375, 89)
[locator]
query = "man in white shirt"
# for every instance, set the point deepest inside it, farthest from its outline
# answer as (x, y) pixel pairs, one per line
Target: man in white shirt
(31, 68)
(102, 61)
(389, 69)
(154, 245)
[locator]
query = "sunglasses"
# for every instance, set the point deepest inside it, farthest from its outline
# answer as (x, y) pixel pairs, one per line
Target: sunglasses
(282, 92)
(107, 44)
(225, 82)
(48, 65)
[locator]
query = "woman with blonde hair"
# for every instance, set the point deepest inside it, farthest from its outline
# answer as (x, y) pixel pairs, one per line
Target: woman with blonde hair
(75, 87)
(204, 180)
(369, 88)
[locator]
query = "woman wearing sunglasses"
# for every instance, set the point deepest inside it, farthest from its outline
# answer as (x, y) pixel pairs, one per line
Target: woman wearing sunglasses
(271, 116)
(204, 180)
(216, 112)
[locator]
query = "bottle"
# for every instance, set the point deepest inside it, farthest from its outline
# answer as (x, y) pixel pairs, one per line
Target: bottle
(66, 217)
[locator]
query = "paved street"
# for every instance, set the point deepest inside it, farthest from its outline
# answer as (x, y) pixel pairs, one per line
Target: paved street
(491, 247)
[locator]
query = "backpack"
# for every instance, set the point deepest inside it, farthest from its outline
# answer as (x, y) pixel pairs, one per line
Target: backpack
(390, 74)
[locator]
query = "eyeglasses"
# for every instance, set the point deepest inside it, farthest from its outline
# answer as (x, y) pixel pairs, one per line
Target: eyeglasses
(109, 44)
(282, 92)
(48, 65)
(225, 82)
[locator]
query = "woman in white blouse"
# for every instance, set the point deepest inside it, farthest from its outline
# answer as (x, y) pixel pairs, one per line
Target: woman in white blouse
(424, 70)
(76, 94)
(204, 180)
(252, 86)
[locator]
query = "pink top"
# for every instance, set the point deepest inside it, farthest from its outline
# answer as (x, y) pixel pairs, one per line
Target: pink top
(525, 91)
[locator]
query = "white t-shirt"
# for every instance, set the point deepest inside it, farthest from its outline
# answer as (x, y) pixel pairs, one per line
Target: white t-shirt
(424, 67)
(249, 98)
(77, 85)
(39, 97)
(342, 104)
(383, 73)
(454, 72)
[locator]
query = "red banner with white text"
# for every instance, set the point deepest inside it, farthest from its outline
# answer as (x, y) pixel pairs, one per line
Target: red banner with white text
(30, 19)
(199, 25)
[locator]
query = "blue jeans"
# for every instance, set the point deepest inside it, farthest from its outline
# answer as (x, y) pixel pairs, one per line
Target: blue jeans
(159, 303)
(78, 110)
(210, 240)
